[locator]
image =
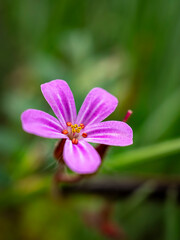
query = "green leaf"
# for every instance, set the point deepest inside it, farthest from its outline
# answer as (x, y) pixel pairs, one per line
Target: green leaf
(143, 154)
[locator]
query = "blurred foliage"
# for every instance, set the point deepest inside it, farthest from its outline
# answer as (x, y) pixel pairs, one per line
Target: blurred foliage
(131, 49)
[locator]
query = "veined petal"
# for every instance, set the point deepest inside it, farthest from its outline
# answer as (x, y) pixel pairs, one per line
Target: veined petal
(42, 124)
(114, 133)
(59, 96)
(98, 105)
(81, 158)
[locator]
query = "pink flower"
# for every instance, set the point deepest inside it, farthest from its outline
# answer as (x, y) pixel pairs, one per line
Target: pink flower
(79, 129)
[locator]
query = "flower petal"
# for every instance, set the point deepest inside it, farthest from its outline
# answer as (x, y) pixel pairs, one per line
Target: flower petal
(114, 133)
(98, 105)
(81, 158)
(42, 124)
(59, 96)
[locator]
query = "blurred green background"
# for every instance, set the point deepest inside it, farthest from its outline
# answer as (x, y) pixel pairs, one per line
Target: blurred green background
(131, 49)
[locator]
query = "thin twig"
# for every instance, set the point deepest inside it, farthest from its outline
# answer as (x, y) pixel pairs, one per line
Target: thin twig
(115, 188)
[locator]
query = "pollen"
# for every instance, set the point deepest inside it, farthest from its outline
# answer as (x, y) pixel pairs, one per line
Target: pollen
(65, 131)
(82, 125)
(68, 124)
(75, 141)
(84, 135)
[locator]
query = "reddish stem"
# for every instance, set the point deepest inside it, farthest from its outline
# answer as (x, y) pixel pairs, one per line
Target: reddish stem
(62, 177)
(128, 114)
(58, 151)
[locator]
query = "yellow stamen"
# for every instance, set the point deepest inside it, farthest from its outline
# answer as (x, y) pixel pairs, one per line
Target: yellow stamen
(73, 130)
(76, 128)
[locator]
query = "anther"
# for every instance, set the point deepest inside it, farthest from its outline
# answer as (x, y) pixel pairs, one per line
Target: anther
(78, 129)
(81, 125)
(68, 124)
(75, 125)
(73, 130)
(84, 135)
(75, 141)
(65, 131)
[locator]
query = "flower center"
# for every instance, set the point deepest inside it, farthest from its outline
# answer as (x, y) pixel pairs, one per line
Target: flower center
(73, 132)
